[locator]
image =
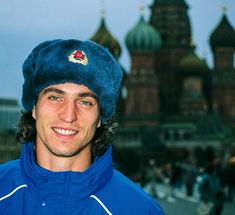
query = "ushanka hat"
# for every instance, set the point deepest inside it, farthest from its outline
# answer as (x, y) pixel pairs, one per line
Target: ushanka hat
(72, 61)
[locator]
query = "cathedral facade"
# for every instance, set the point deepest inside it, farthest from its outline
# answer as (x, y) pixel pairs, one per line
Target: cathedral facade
(175, 105)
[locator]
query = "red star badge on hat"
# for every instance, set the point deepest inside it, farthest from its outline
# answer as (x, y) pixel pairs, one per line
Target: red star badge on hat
(78, 56)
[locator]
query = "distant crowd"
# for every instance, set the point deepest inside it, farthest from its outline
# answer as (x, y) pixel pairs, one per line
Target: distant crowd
(213, 183)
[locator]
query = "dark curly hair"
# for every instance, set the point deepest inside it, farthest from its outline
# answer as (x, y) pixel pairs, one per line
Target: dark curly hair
(100, 142)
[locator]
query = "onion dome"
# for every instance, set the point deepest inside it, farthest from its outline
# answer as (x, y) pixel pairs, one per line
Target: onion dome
(105, 38)
(192, 64)
(223, 35)
(143, 37)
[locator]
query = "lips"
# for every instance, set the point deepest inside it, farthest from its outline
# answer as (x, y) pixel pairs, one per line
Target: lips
(65, 132)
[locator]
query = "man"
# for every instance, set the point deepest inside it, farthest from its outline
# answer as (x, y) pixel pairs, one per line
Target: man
(69, 96)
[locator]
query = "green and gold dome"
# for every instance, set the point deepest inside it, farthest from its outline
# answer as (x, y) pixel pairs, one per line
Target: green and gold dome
(192, 64)
(106, 39)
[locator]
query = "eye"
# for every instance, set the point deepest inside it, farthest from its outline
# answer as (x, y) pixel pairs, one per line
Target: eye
(86, 103)
(54, 98)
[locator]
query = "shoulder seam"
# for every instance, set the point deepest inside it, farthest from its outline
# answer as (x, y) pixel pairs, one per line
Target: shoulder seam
(12, 192)
(102, 204)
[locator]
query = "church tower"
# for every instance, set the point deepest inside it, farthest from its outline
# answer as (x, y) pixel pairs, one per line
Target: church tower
(103, 37)
(142, 105)
(222, 41)
(193, 72)
(170, 18)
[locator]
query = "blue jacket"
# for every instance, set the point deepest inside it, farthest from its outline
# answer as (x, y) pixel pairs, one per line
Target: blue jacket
(28, 189)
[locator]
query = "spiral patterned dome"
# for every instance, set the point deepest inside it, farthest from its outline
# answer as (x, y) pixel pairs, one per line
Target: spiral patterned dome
(105, 38)
(143, 37)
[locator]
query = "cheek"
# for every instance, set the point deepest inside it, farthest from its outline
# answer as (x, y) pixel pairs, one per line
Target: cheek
(42, 116)
(92, 126)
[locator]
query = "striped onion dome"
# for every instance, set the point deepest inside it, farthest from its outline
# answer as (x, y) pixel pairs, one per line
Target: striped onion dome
(143, 37)
(105, 38)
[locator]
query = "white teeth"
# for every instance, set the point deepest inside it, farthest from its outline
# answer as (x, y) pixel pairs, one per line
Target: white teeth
(64, 132)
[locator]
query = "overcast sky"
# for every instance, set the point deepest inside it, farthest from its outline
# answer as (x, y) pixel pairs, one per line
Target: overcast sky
(25, 23)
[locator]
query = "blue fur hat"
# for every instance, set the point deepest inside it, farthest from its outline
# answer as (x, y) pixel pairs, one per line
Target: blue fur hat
(72, 61)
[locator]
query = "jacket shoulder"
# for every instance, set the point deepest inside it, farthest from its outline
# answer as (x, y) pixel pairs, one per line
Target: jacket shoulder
(10, 176)
(125, 197)
(9, 168)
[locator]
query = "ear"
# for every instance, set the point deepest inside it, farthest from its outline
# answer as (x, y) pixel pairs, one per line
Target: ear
(33, 113)
(99, 124)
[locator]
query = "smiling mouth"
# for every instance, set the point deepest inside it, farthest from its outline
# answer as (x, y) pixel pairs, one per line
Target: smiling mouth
(65, 132)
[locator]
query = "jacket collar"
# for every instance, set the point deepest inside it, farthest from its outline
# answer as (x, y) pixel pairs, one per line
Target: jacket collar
(75, 185)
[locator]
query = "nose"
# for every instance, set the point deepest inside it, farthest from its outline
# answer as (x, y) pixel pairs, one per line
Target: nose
(68, 112)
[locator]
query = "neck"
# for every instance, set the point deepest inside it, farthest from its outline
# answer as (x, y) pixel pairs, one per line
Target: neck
(77, 163)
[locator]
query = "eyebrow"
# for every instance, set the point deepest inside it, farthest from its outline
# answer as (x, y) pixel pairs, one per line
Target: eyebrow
(55, 90)
(52, 90)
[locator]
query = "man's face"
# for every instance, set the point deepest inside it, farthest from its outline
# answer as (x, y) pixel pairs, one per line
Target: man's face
(67, 116)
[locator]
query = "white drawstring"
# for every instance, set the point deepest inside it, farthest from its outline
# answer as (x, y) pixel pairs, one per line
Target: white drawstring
(101, 203)
(12, 192)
